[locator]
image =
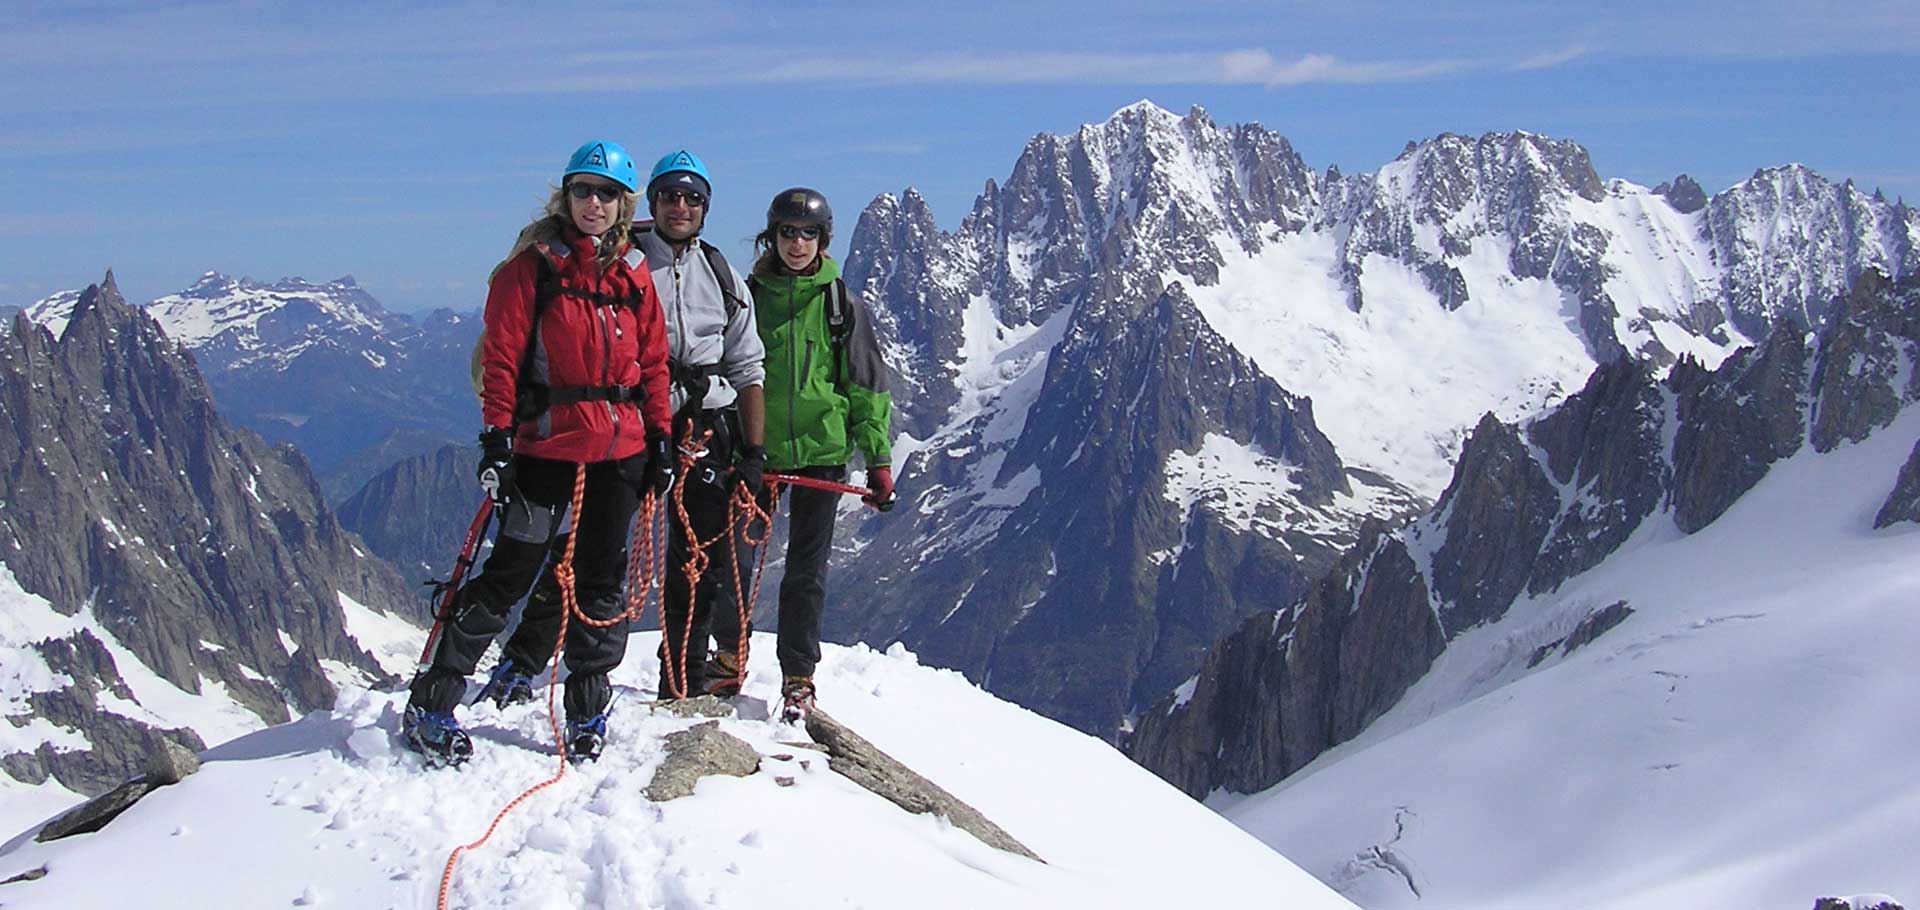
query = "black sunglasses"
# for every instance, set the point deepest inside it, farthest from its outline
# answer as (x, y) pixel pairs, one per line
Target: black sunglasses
(692, 199)
(790, 232)
(605, 191)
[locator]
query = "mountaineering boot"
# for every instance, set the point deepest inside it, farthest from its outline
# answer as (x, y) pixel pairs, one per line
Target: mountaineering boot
(585, 739)
(724, 675)
(510, 684)
(436, 736)
(796, 699)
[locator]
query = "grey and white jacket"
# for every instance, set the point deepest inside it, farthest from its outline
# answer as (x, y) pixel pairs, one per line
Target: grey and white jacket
(699, 334)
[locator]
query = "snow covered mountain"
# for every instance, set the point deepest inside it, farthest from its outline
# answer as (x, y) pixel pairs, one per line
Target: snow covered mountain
(1155, 382)
(331, 811)
(164, 576)
(1649, 613)
(323, 366)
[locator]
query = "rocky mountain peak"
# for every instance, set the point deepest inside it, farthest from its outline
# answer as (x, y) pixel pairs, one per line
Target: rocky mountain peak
(1683, 193)
(1529, 508)
(204, 553)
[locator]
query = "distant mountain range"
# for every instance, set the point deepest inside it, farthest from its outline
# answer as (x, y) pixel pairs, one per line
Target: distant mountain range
(322, 366)
(1157, 381)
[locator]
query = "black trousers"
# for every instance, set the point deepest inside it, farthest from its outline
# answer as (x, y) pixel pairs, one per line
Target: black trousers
(686, 608)
(803, 587)
(528, 527)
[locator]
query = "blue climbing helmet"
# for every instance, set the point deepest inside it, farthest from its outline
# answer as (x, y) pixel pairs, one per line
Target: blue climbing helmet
(682, 169)
(604, 158)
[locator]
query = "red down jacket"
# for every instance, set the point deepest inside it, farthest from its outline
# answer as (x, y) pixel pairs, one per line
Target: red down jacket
(581, 342)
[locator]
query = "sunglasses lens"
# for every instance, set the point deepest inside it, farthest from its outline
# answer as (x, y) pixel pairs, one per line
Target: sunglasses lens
(583, 190)
(690, 199)
(810, 232)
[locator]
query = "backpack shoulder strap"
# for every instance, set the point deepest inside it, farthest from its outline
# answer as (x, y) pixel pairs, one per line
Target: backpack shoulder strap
(723, 274)
(839, 313)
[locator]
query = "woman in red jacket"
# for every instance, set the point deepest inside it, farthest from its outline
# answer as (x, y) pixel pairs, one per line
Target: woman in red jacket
(573, 370)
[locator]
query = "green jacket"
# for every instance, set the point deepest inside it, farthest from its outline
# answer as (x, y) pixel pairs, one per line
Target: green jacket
(819, 411)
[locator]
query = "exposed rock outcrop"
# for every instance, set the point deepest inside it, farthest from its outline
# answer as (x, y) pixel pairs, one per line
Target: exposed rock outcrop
(861, 762)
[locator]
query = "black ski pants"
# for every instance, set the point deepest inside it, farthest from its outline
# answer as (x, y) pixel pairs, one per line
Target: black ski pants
(803, 586)
(528, 526)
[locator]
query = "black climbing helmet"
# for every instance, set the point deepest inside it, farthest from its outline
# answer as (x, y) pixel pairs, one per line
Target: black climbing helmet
(802, 206)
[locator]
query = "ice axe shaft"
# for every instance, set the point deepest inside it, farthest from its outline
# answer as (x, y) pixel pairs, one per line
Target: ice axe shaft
(450, 588)
(830, 486)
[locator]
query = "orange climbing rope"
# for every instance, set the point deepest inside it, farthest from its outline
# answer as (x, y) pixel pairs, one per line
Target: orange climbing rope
(645, 561)
(645, 547)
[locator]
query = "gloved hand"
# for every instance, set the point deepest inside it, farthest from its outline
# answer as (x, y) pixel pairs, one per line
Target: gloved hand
(495, 472)
(880, 481)
(661, 465)
(751, 469)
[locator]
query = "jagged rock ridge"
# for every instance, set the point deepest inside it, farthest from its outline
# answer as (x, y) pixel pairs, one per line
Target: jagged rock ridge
(207, 554)
(1039, 469)
(1529, 508)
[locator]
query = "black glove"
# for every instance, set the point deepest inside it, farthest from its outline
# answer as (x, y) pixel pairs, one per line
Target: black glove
(658, 476)
(751, 469)
(496, 465)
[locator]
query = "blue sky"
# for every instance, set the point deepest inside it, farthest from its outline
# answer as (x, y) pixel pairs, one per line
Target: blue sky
(405, 144)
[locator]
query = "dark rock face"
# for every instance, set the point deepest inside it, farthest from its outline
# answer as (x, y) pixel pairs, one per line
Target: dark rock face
(1093, 567)
(1903, 504)
(1603, 446)
(899, 255)
(1866, 368)
(1734, 423)
(411, 514)
(1527, 517)
(1287, 686)
(1684, 194)
(1496, 513)
(201, 549)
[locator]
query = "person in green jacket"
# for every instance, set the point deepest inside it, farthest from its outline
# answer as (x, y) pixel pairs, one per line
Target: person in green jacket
(826, 396)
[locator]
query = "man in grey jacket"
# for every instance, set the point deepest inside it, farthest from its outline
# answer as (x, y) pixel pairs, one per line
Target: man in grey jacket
(716, 358)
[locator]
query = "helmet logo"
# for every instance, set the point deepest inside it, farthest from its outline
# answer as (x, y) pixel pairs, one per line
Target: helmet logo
(799, 199)
(597, 157)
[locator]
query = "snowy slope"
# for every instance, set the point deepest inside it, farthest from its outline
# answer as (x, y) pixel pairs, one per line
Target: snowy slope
(326, 812)
(1743, 740)
(54, 311)
(1397, 385)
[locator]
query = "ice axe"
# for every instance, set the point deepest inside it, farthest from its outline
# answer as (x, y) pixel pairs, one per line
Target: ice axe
(834, 487)
(447, 590)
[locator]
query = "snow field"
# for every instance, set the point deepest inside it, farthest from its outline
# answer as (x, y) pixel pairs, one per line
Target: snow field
(332, 811)
(1742, 740)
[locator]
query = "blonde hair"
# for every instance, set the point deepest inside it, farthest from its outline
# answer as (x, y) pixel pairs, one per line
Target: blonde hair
(547, 227)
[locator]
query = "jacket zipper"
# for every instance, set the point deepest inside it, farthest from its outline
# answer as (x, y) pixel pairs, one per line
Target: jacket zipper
(609, 321)
(793, 388)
